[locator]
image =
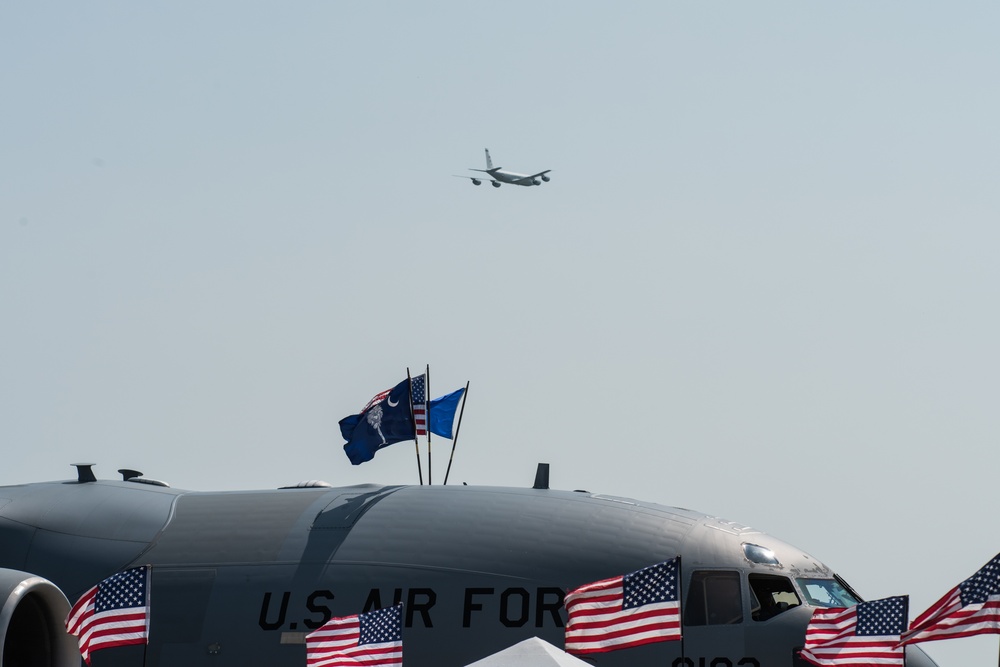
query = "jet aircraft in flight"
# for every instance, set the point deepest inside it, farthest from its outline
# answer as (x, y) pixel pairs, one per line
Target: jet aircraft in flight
(498, 175)
(240, 577)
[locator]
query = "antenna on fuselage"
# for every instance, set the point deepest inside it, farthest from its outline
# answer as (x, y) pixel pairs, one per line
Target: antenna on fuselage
(542, 476)
(84, 473)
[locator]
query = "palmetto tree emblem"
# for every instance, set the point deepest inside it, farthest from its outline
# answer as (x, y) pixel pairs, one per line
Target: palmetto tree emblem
(374, 417)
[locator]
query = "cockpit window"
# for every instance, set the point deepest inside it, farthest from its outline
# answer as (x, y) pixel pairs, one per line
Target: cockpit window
(827, 593)
(714, 598)
(772, 595)
(758, 554)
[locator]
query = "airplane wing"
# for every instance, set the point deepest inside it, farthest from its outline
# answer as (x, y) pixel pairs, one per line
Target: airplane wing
(478, 180)
(534, 176)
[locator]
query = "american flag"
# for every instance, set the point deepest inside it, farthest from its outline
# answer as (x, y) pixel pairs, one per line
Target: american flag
(859, 636)
(971, 608)
(638, 608)
(374, 638)
(377, 398)
(115, 612)
(418, 395)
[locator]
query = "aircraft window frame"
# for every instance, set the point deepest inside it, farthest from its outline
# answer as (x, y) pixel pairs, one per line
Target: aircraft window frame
(835, 591)
(850, 589)
(758, 554)
(709, 599)
(771, 595)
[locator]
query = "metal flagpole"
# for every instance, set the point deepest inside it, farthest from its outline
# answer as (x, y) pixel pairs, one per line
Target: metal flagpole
(427, 418)
(149, 593)
(416, 446)
(905, 625)
(457, 429)
(680, 601)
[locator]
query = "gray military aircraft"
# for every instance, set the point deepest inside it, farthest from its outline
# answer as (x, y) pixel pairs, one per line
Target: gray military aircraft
(240, 577)
(499, 176)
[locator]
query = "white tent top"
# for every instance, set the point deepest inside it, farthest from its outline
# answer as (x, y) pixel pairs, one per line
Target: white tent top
(532, 652)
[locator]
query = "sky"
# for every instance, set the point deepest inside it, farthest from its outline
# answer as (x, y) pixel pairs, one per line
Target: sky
(759, 284)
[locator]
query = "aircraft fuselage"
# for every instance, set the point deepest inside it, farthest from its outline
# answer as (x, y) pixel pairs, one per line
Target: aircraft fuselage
(514, 178)
(240, 578)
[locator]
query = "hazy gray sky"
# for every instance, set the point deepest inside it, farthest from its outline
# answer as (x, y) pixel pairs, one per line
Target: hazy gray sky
(761, 284)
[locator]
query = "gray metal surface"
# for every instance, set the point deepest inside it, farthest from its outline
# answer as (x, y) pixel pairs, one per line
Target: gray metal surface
(239, 578)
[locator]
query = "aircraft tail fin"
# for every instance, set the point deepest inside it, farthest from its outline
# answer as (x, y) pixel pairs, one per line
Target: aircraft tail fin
(489, 161)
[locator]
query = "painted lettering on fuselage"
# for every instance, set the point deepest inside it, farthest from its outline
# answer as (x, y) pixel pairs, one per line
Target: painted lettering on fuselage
(715, 662)
(513, 607)
(516, 607)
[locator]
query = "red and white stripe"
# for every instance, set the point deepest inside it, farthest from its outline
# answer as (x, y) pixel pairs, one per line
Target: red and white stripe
(831, 639)
(420, 418)
(120, 627)
(336, 645)
(948, 619)
(598, 623)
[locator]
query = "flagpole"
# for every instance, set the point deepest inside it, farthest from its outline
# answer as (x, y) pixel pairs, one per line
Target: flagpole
(427, 418)
(149, 592)
(457, 429)
(906, 623)
(416, 445)
(680, 600)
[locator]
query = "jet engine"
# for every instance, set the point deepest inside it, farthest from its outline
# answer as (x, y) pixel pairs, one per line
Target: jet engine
(546, 178)
(32, 618)
(496, 184)
(537, 182)
(476, 181)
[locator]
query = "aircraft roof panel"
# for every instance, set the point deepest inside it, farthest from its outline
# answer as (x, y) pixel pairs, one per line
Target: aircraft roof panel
(238, 527)
(103, 510)
(495, 530)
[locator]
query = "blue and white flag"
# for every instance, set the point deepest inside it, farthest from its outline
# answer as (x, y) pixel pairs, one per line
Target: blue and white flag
(442, 413)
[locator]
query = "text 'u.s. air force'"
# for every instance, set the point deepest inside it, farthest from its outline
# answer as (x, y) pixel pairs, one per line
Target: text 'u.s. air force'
(513, 607)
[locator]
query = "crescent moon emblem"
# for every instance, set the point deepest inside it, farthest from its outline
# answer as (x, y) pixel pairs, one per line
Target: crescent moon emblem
(388, 399)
